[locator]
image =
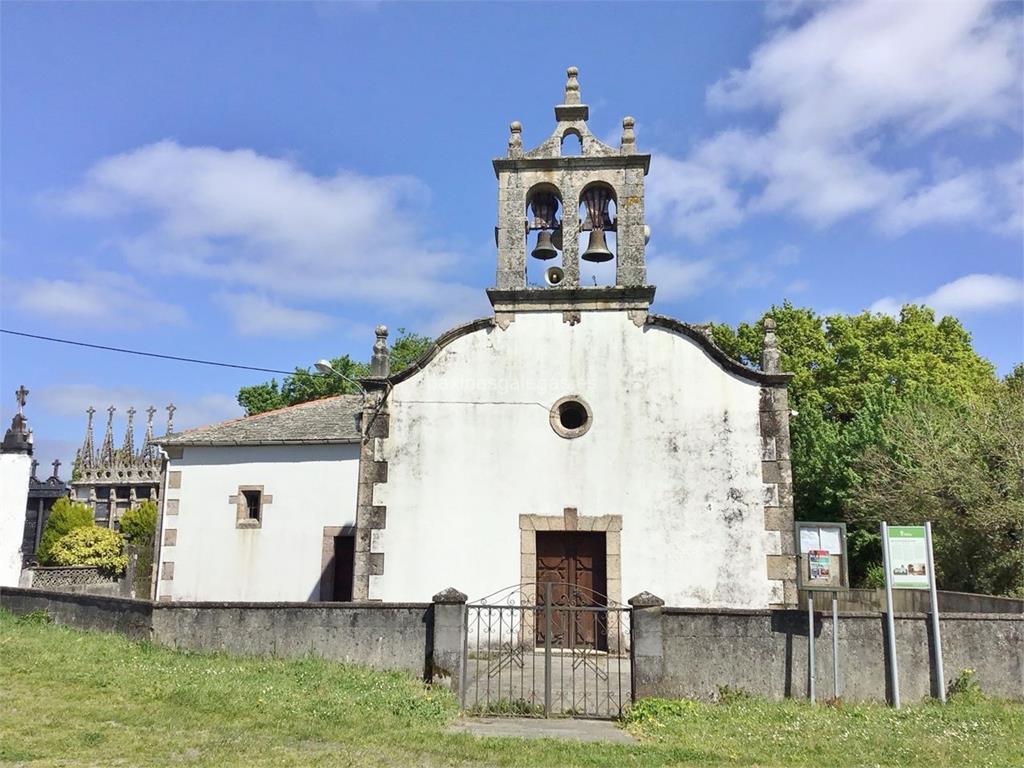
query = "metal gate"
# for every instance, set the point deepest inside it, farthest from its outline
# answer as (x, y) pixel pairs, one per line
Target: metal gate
(546, 649)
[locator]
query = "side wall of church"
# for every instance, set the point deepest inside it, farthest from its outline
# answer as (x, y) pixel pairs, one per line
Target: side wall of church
(673, 458)
(205, 555)
(15, 469)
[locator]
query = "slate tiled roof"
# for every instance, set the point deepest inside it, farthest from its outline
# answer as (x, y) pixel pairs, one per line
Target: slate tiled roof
(331, 420)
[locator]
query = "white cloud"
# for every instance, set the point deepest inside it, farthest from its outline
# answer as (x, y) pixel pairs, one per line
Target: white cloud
(96, 298)
(678, 279)
(256, 315)
(264, 224)
(971, 293)
(691, 198)
(844, 87)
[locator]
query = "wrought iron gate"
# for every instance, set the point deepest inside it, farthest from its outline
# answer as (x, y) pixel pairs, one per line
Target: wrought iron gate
(547, 649)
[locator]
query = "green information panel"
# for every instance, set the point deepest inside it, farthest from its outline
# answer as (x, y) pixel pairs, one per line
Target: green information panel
(908, 557)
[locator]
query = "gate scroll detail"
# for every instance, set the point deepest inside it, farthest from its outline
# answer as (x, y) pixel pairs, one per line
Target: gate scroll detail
(546, 649)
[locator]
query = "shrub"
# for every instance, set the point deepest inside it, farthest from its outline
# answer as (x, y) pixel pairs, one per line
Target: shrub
(728, 694)
(35, 618)
(874, 577)
(65, 516)
(965, 687)
(138, 524)
(99, 547)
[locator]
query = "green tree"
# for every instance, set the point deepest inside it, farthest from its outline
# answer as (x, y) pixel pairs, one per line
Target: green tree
(959, 464)
(304, 385)
(407, 349)
(850, 373)
(99, 547)
(65, 516)
(138, 524)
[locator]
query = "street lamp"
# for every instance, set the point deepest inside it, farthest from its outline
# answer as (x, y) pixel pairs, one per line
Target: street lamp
(325, 367)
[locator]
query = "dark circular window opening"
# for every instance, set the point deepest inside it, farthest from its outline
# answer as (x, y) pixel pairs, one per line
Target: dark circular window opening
(571, 416)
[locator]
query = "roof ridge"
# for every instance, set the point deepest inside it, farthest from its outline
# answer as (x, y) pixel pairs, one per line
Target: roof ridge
(249, 416)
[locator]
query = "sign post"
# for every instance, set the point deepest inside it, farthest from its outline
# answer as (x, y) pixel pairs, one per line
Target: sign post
(935, 613)
(810, 648)
(894, 675)
(822, 567)
(835, 646)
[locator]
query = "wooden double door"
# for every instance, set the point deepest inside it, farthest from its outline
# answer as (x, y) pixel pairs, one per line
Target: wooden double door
(574, 564)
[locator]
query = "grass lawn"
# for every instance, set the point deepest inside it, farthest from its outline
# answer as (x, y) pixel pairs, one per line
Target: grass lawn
(73, 698)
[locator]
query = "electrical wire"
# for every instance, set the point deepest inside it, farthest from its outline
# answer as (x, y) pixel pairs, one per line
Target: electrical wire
(194, 360)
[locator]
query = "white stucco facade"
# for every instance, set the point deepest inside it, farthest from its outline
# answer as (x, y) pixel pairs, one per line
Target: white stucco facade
(15, 469)
(674, 450)
(209, 557)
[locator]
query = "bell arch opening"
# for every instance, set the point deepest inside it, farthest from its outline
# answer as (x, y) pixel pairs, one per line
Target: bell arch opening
(543, 231)
(572, 143)
(597, 238)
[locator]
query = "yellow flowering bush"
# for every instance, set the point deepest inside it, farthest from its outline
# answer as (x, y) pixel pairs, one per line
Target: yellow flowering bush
(99, 547)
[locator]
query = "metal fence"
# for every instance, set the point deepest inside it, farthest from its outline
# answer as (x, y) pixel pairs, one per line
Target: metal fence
(546, 650)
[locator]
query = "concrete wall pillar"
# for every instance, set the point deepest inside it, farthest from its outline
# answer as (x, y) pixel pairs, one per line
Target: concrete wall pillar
(448, 639)
(647, 649)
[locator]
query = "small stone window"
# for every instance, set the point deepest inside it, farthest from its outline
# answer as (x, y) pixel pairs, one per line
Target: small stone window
(250, 503)
(253, 505)
(571, 417)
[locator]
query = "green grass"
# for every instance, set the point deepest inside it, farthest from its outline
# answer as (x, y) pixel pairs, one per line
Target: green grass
(72, 698)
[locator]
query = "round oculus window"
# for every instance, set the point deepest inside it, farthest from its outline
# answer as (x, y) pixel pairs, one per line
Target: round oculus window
(571, 416)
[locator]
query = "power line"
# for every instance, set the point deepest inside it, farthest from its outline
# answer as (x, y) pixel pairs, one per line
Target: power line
(144, 354)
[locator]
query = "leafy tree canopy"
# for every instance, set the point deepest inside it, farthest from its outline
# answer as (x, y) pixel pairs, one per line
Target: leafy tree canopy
(852, 375)
(305, 385)
(961, 466)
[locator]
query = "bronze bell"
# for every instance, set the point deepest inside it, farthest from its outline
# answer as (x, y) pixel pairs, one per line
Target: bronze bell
(544, 248)
(597, 248)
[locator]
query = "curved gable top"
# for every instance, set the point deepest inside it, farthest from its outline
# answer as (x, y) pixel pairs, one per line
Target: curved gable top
(713, 351)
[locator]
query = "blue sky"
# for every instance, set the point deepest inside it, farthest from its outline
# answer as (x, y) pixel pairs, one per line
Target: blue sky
(263, 183)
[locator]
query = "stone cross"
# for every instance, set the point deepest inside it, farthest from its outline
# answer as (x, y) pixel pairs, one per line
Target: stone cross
(56, 468)
(149, 412)
(21, 394)
(170, 417)
(90, 410)
(35, 464)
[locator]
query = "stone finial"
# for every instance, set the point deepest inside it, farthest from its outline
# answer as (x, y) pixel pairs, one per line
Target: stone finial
(87, 453)
(450, 595)
(35, 466)
(107, 451)
(646, 600)
(380, 362)
(515, 139)
(771, 358)
(572, 109)
(628, 135)
(572, 86)
(128, 447)
(56, 469)
(170, 417)
(148, 449)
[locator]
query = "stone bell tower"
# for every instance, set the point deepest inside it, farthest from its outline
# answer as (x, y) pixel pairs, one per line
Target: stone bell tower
(551, 198)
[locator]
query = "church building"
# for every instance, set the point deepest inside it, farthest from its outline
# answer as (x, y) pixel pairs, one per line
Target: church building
(572, 436)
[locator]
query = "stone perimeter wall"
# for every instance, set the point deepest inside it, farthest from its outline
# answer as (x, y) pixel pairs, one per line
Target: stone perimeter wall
(689, 653)
(676, 652)
(387, 636)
